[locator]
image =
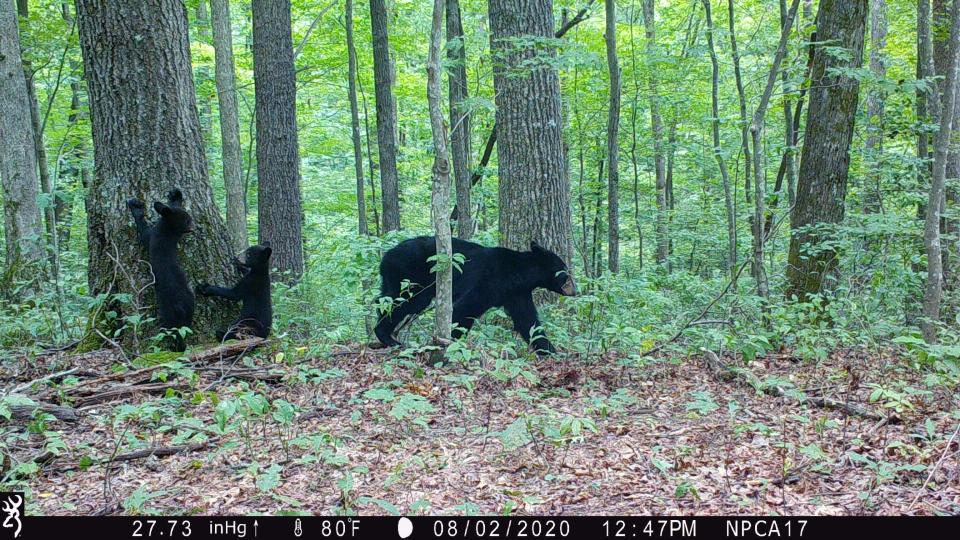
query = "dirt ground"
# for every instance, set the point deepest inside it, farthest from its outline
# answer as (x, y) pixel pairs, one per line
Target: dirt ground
(672, 437)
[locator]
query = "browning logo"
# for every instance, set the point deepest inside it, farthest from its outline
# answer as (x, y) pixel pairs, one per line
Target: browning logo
(12, 505)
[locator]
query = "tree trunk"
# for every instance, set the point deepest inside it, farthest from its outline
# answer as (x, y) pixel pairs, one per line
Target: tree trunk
(534, 187)
(941, 55)
(355, 121)
(788, 136)
(718, 151)
(146, 137)
(613, 147)
(229, 123)
(46, 184)
(875, 105)
(386, 116)
(759, 157)
(440, 206)
(460, 144)
(741, 95)
(23, 229)
(663, 238)
(933, 291)
(278, 155)
(825, 161)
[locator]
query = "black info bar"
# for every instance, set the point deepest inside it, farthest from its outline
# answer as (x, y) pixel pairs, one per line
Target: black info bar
(420, 527)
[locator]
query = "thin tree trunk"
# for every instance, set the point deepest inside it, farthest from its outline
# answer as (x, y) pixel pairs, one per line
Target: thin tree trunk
(370, 164)
(459, 118)
(23, 229)
(440, 206)
(825, 161)
(718, 150)
(788, 136)
(633, 138)
(146, 137)
(663, 235)
(941, 53)
(46, 185)
(534, 187)
(278, 156)
(759, 159)
(229, 123)
(355, 121)
(933, 292)
(875, 106)
(613, 147)
(741, 96)
(386, 116)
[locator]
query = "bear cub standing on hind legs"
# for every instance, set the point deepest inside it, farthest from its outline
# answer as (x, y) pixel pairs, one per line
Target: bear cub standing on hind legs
(175, 301)
(491, 277)
(253, 289)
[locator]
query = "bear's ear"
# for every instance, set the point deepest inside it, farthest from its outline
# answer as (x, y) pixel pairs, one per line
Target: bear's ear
(265, 244)
(175, 197)
(161, 208)
(534, 246)
(267, 251)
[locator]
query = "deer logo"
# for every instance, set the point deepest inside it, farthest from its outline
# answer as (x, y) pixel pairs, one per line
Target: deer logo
(11, 507)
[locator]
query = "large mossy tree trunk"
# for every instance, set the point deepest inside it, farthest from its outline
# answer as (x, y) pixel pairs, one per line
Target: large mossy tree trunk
(534, 186)
(146, 140)
(23, 232)
(825, 161)
(279, 204)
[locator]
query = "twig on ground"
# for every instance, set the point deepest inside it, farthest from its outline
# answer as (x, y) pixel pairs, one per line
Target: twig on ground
(934, 470)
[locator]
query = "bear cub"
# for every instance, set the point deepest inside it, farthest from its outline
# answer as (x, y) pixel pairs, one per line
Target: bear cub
(175, 300)
(253, 290)
(490, 277)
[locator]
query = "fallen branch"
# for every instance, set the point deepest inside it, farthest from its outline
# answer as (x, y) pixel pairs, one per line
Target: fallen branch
(748, 377)
(228, 350)
(127, 390)
(934, 470)
(160, 451)
(45, 378)
(26, 412)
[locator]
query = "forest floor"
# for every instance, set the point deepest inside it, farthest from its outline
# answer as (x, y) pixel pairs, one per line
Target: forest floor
(671, 437)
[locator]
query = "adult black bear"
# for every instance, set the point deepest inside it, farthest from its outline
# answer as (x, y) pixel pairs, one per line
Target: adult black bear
(175, 300)
(253, 289)
(490, 277)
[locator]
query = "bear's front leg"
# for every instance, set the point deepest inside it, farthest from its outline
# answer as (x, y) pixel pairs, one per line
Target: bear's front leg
(525, 319)
(139, 211)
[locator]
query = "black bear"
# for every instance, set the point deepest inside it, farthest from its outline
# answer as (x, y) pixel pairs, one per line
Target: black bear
(490, 277)
(175, 302)
(253, 290)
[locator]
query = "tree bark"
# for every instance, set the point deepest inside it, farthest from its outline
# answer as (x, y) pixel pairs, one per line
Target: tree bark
(146, 137)
(941, 56)
(23, 230)
(663, 236)
(460, 145)
(278, 155)
(613, 147)
(362, 227)
(875, 106)
(790, 170)
(933, 292)
(534, 187)
(440, 201)
(229, 123)
(718, 150)
(759, 158)
(742, 99)
(386, 116)
(825, 160)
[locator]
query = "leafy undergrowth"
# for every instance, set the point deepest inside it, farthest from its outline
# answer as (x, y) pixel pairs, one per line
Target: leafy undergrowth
(353, 430)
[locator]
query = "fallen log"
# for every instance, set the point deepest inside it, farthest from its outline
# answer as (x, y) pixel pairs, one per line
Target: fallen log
(749, 378)
(119, 391)
(26, 412)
